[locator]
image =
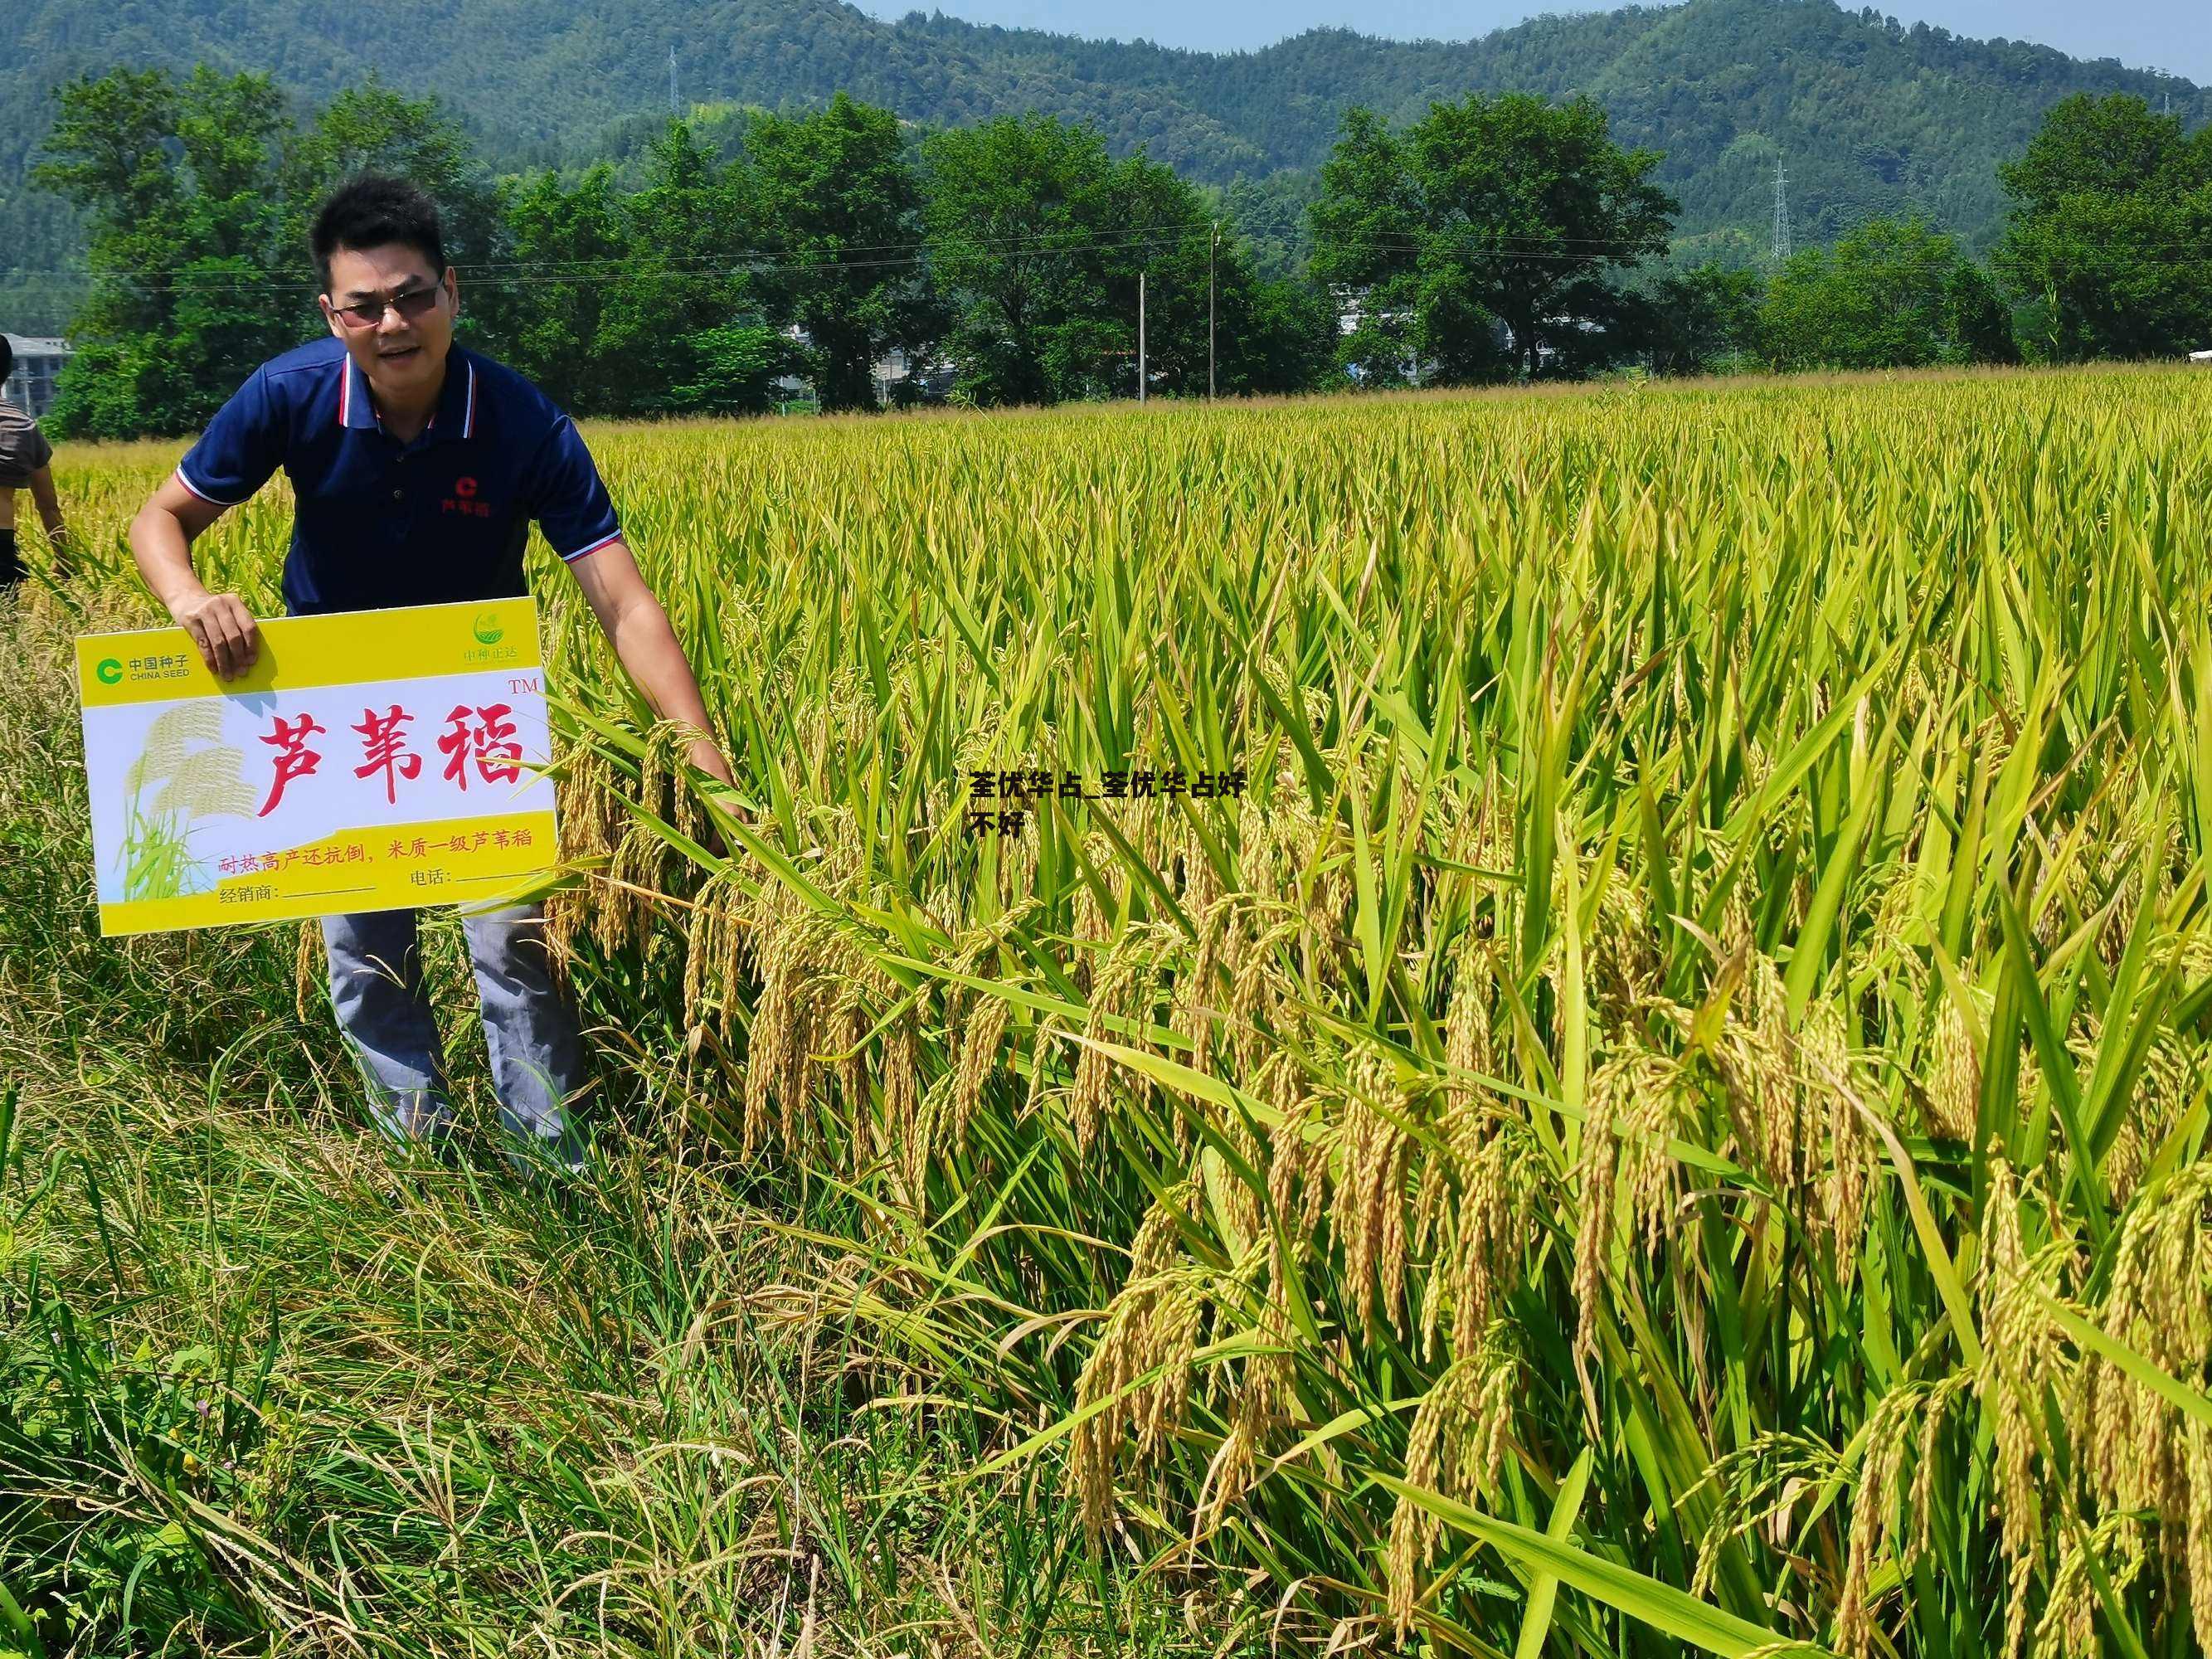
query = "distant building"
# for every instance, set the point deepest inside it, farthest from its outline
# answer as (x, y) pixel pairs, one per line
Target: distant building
(38, 366)
(901, 377)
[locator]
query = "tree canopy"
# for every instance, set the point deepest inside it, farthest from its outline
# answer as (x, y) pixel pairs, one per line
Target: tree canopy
(2110, 242)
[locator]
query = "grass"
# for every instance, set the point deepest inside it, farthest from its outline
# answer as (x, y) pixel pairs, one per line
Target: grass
(1669, 1115)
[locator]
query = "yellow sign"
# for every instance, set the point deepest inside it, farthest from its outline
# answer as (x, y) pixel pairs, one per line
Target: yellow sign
(372, 760)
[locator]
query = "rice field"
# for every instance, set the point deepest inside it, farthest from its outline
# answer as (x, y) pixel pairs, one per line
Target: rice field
(1622, 1070)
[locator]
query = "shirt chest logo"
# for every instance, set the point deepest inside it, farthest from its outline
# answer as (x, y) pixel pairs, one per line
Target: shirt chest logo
(465, 501)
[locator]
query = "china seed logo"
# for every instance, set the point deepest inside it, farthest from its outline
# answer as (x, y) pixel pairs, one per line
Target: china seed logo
(110, 671)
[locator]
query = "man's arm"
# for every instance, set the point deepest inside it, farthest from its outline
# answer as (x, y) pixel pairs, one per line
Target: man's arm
(161, 542)
(648, 647)
(50, 515)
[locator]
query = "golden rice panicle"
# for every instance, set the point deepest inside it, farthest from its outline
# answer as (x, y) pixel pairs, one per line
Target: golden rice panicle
(1826, 1073)
(1198, 987)
(1258, 1404)
(847, 1038)
(1243, 1215)
(664, 788)
(1152, 1322)
(1201, 883)
(1455, 1449)
(2070, 1626)
(1634, 1099)
(980, 1044)
(778, 1013)
(716, 941)
(1490, 1229)
(1257, 994)
(1953, 1088)
(1122, 993)
(2198, 1553)
(1466, 1017)
(1873, 1515)
(1368, 1216)
(902, 1135)
(1626, 970)
(1767, 1109)
(2019, 1358)
(2163, 1090)
(1045, 1040)
(310, 970)
(1297, 1187)
(2138, 1451)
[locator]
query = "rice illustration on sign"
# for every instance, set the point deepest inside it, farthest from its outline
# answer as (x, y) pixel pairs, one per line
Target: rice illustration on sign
(193, 776)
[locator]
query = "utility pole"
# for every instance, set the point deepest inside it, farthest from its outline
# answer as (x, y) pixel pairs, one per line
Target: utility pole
(672, 109)
(1141, 337)
(1212, 251)
(1780, 251)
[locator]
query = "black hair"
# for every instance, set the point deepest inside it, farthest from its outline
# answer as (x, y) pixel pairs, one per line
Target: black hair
(7, 358)
(374, 212)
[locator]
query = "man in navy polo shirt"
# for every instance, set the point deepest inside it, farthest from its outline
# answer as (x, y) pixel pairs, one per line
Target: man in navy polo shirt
(418, 467)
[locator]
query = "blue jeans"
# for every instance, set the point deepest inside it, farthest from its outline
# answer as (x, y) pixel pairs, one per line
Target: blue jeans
(537, 1055)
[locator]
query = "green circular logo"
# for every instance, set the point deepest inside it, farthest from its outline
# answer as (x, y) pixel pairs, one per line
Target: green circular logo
(110, 671)
(487, 629)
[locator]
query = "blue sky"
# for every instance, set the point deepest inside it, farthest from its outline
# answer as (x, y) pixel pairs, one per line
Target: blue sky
(2175, 35)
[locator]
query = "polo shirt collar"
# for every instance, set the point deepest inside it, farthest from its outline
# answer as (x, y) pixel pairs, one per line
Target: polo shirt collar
(455, 416)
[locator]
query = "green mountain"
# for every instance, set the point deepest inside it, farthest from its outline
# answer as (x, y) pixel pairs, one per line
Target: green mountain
(1868, 114)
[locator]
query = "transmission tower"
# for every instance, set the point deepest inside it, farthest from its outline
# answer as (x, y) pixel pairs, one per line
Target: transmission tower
(1781, 250)
(672, 109)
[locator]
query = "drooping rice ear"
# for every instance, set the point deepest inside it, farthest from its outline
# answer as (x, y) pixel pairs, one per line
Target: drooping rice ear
(310, 973)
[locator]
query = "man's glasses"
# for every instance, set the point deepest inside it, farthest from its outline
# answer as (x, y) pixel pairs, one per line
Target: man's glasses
(369, 312)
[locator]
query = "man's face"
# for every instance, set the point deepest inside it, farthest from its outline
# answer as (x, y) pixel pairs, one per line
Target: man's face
(402, 355)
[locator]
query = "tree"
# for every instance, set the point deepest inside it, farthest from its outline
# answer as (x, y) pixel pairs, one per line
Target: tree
(677, 280)
(2109, 245)
(200, 195)
(190, 289)
(373, 129)
(1020, 212)
(638, 304)
(1508, 207)
(1894, 293)
(1037, 243)
(1699, 318)
(1368, 223)
(838, 206)
(553, 332)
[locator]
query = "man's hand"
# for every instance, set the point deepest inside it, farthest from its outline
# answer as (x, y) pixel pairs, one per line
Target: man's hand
(223, 629)
(161, 544)
(708, 759)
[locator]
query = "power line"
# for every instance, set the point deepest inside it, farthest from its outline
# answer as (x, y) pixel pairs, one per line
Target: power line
(1050, 241)
(496, 276)
(704, 266)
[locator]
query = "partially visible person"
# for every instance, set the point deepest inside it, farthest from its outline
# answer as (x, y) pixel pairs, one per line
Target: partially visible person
(25, 463)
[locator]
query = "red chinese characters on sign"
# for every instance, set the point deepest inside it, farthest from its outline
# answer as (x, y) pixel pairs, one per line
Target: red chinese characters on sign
(385, 746)
(489, 743)
(480, 739)
(294, 758)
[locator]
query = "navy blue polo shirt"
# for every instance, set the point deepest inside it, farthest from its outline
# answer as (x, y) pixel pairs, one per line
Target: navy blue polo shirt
(379, 523)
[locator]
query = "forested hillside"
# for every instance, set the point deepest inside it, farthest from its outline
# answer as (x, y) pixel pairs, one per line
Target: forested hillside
(1871, 116)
